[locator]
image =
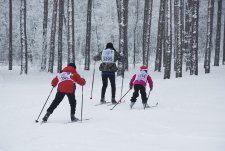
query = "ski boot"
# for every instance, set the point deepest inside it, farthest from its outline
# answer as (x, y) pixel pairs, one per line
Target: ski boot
(102, 101)
(131, 104)
(73, 118)
(145, 105)
(45, 118)
(114, 101)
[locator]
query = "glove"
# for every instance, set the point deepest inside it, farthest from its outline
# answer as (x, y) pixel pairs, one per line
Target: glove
(84, 80)
(131, 87)
(151, 89)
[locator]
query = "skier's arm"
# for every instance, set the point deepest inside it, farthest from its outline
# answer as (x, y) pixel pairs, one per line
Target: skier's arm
(150, 82)
(55, 81)
(131, 81)
(76, 78)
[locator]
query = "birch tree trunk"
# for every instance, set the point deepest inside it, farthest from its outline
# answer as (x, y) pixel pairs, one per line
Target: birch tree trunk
(218, 34)
(135, 34)
(23, 38)
(194, 39)
(52, 41)
(10, 35)
(147, 31)
(60, 40)
(88, 36)
(209, 36)
(44, 43)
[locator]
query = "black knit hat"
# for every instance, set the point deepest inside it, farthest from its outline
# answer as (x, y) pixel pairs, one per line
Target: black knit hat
(72, 65)
(109, 45)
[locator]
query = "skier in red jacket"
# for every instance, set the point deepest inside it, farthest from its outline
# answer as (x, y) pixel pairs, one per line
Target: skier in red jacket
(139, 82)
(65, 80)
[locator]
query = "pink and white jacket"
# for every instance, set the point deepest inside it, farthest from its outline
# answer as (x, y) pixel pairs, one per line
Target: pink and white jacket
(141, 78)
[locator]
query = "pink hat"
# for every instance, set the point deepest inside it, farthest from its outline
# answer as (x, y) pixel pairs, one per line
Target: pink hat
(144, 68)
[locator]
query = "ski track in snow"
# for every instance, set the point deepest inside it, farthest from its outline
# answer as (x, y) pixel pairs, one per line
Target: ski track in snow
(190, 115)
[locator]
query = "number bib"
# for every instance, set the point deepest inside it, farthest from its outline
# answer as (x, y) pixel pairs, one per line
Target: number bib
(108, 56)
(64, 76)
(141, 76)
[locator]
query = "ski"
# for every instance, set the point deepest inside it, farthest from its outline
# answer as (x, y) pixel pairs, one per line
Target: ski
(69, 122)
(102, 103)
(152, 106)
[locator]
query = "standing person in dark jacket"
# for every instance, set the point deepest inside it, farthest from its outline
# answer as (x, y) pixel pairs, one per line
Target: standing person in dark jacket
(66, 80)
(108, 67)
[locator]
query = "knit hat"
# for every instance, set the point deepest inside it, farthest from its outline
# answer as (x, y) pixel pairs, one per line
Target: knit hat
(143, 68)
(72, 65)
(109, 45)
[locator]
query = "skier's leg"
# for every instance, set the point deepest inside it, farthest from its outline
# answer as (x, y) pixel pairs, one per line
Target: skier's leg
(113, 87)
(72, 102)
(143, 94)
(104, 86)
(135, 94)
(58, 98)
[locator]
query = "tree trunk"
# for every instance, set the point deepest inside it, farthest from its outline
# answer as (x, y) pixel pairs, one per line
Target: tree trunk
(123, 13)
(52, 41)
(147, 31)
(194, 39)
(44, 43)
(23, 39)
(60, 40)
(218, 34)
(168, 33)
(209, 36)
(10, 35)
(178, 24)
(224, 43)
(69, 33)
(160, 38)
(88, 36)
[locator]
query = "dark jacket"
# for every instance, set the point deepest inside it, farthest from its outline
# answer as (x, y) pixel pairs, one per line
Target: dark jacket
(108, 67)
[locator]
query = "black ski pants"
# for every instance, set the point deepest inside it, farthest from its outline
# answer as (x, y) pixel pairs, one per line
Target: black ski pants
(137, 88)
(112, 80)
(59, 97)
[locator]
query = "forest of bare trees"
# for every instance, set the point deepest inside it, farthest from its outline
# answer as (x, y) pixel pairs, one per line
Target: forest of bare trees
(167, 39)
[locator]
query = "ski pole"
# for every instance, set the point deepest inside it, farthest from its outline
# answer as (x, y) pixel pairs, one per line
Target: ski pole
(93, 78)
(82, 104)
(120, 100)
(147, 98)
(44, 105)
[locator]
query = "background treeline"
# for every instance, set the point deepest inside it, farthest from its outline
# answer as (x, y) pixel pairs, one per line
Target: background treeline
(167, 35)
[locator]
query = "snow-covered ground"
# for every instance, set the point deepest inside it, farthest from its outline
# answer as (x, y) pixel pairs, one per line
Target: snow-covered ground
(190, 115)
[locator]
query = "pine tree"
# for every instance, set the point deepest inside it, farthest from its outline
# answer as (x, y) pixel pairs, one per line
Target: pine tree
(194, 40)
(178, 36)
(218, 34)
(123, 23)
(60, 40)
(209, 36)
(88, 37)
(10, 35)
(44, 43)
(160, 37)
(168, 36)
(23, 38)
(52, 41)
(147, 31)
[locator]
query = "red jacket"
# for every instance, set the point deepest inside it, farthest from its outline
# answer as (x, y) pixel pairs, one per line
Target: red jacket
(66, 80)
(141, 78)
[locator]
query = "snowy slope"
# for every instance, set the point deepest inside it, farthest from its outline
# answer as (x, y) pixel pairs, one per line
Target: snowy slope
(190, 116)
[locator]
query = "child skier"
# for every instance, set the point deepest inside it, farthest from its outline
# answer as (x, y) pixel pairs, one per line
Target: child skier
(139, 81)
(66, 80)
